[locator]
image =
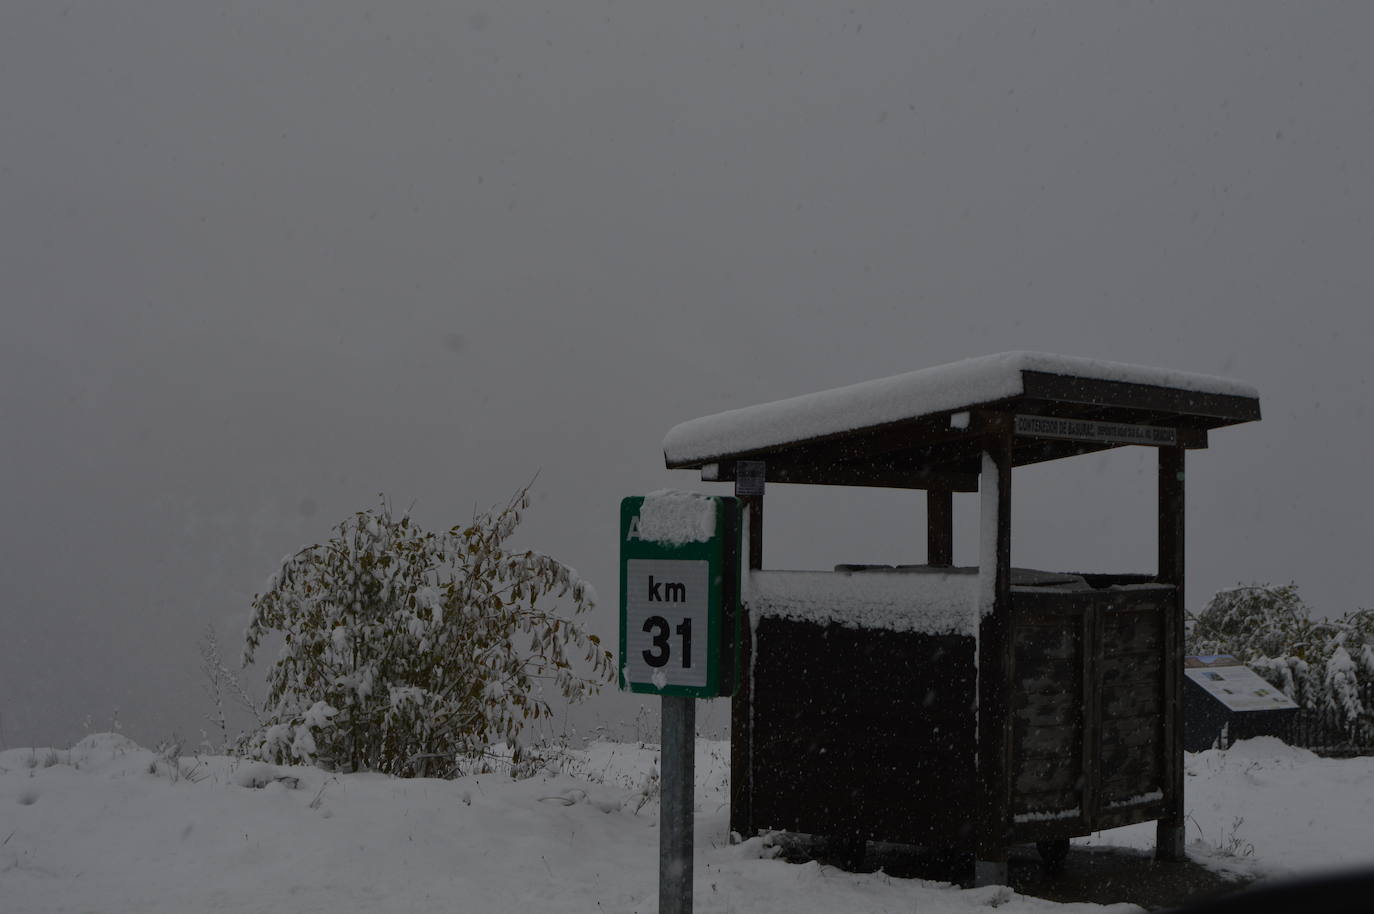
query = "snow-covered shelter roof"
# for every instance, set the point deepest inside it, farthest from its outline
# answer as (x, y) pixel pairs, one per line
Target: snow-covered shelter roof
(911, 431)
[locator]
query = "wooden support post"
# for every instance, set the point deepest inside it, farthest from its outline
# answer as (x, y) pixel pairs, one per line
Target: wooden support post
(755, 505)
(741, 733)
(994, 665)
(939, 527)
(741, 738)
(1169, 836)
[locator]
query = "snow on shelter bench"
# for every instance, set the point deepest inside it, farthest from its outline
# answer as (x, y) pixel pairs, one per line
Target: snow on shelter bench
(970, 708)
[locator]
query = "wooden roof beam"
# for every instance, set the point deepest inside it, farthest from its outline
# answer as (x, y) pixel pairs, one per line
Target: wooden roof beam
(887, 474)
(1172, 401)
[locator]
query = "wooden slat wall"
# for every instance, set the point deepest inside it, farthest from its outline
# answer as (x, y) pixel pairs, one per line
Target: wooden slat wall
(1047, 712)
(863, 733)
(1131, 668)
(1088, 707)
(870, 733)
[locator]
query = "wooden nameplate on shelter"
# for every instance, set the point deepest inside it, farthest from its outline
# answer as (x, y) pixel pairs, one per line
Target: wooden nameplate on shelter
(851, 717)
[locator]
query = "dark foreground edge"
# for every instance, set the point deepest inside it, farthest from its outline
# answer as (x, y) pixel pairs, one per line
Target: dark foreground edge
(1349, 892)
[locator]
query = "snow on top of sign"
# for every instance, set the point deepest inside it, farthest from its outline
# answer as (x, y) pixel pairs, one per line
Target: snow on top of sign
(674, 518)
(932, 603)
(955, 386)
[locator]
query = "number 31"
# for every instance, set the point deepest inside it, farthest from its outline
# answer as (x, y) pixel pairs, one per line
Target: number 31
(662, 650)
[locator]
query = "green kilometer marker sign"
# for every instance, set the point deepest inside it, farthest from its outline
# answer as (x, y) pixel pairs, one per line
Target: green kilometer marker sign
(679, 591)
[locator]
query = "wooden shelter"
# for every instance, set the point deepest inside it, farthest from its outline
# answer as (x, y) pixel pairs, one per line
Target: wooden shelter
(970, 708)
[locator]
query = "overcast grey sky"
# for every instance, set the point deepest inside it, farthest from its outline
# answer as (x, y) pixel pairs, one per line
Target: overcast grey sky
(260, 261)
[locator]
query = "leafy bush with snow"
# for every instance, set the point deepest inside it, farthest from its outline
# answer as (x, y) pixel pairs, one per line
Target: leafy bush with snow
(405, 651)
(1327, 667)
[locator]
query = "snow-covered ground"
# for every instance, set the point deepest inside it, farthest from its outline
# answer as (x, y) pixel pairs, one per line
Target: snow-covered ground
(1263, 808)
(108, 826)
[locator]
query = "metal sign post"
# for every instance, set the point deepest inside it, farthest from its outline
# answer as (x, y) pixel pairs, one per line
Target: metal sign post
(677, 768)
(679, 586)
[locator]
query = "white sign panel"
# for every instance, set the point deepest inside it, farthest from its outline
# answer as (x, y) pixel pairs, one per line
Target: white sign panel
(1240, 688)
(667, 611)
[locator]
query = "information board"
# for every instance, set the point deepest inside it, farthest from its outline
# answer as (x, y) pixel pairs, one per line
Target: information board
(679, 589)
(1237, 687)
